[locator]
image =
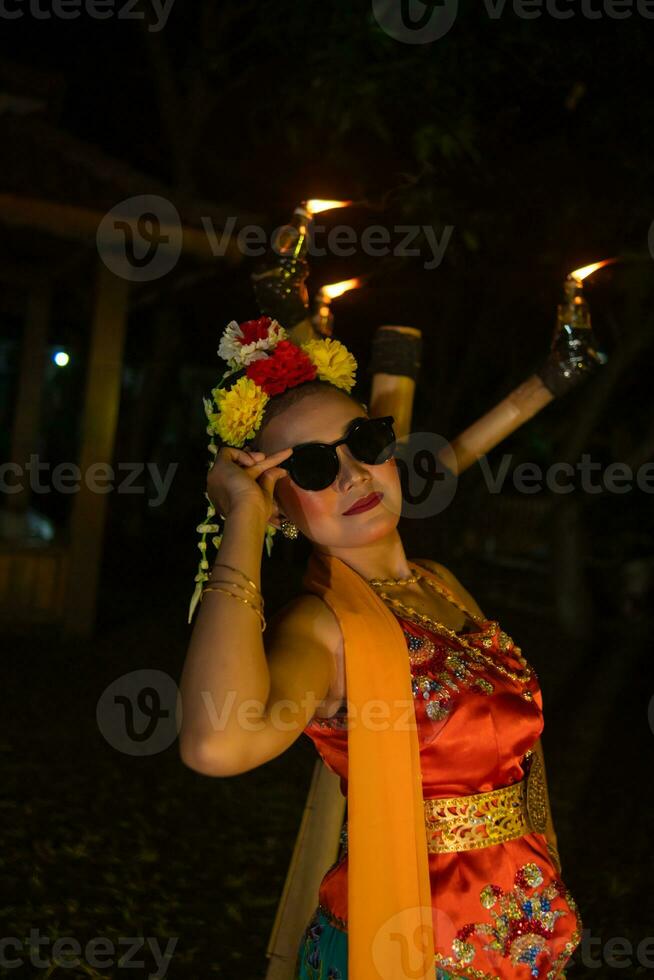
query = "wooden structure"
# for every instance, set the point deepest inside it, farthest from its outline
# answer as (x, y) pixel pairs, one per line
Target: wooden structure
(54, 192)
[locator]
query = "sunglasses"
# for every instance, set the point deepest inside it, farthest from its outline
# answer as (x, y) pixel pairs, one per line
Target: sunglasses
(315, 465)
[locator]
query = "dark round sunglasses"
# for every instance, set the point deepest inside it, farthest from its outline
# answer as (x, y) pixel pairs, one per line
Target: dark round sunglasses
(315, 465)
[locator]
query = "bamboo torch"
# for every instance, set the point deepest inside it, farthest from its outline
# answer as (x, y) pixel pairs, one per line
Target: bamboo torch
(280, 282)
(323, 318)
(573, 356)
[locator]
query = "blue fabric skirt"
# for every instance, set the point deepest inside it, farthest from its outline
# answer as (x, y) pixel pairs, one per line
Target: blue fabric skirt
(322, 954)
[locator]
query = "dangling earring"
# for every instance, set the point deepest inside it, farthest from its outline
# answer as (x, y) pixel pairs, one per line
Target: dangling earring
(289, 529)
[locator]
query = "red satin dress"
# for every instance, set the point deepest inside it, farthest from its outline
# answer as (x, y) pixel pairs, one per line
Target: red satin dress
(501, 911)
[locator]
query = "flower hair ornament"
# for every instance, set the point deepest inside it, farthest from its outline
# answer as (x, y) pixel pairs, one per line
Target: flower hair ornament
(261, 363)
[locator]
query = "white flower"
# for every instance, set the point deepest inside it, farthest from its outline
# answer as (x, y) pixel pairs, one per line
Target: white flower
(209, 409)
(239, 355)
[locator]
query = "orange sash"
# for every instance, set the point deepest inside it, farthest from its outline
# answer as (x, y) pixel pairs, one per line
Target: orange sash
(390, 919)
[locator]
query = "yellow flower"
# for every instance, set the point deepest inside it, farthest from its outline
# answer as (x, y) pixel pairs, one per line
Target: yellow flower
(333, 362)
(240, 411)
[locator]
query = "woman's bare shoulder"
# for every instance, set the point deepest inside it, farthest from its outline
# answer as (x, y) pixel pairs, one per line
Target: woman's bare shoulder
(452, 581)
(310, 615)
(435, 566)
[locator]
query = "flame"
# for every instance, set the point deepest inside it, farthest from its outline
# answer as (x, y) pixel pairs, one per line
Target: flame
(336, 289)
(587, 270)
(315, 205)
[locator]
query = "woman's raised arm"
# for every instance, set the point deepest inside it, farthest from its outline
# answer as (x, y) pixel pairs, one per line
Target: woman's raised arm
(244, 703)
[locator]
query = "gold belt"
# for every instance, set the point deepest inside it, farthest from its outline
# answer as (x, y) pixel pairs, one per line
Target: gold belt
(465, 823)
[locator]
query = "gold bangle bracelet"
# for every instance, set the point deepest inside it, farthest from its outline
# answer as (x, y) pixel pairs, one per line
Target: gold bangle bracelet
(248, 580)
(257, 600)
(234, 596)
(227, 581)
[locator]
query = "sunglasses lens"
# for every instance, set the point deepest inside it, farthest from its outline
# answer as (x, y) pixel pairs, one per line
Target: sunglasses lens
(314, 468)
(373, 441)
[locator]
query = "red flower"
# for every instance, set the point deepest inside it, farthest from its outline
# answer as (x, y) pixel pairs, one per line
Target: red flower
(286, 367)
(253, 330)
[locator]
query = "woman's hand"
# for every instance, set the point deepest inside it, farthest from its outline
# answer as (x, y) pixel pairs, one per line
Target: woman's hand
(240, 477)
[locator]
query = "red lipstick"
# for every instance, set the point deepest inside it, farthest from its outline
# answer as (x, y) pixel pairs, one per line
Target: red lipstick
(365, 503)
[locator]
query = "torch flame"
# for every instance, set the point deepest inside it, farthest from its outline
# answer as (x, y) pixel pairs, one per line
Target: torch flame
(336, 289)
(587, 270)
(315, 205)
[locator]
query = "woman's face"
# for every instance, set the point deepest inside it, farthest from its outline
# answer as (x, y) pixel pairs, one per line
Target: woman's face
(324, 417)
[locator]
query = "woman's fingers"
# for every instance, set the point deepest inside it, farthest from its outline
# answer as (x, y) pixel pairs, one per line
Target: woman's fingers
(280, 452)
(249, 458)
(269, 478)
(242, 455)
(274, 459)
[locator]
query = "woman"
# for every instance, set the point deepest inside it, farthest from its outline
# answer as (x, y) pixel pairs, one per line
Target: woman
(425, 708)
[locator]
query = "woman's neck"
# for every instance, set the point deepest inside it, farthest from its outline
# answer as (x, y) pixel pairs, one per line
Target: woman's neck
(384, 558)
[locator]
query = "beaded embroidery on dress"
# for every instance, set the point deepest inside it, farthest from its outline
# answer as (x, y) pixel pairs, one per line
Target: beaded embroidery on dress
(500, 911)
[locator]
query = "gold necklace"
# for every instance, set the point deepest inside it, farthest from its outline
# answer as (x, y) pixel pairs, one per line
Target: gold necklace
(394, 581)
(519, 676)
(376, 583)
